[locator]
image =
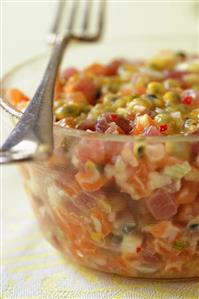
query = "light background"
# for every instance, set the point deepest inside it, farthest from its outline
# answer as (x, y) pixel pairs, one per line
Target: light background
(24, 25)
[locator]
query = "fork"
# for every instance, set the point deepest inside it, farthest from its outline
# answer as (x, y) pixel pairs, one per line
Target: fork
(32, 138)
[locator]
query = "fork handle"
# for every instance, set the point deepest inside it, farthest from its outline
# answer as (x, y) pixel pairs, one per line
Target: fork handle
(33, 135)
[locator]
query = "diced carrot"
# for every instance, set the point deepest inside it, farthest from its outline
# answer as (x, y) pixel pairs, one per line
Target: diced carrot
(187, 193)
(85, 180)
(157, 229)
(15, 96)
(96, 69)
(138, 129)
(68, 183)
(140, 89)
(125, 92)
(58, 89)
(163, 230)
(86, 246)
(102, 217)
(67, 221)
(139, 179)
(94, 185)
(76, 97)
(76, 230)
(72, 190)
(90, 179)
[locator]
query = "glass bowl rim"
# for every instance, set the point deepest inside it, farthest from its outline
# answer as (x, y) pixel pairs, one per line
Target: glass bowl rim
(10, 109)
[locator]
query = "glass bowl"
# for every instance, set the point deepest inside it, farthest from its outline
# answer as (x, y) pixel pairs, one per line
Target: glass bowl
(119, 204)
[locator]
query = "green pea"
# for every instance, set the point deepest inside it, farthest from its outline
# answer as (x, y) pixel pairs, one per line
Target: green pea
(184, 109)
(126, 70)
(155, 101)
(155, 88)
(139, 105)
(139, 149)
(121, 102)
(110, 99)
(171, 98)
(85, 108)
(178, 245)
(122, 111)
(67, 110)
(162, 118)
(99, 109)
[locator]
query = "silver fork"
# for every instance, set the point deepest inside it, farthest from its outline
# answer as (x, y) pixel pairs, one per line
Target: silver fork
(32, 138)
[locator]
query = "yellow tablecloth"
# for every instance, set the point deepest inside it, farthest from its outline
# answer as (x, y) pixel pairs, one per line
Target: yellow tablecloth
(34, 269)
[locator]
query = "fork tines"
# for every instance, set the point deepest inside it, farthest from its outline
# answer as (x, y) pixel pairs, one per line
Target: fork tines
(82, 20)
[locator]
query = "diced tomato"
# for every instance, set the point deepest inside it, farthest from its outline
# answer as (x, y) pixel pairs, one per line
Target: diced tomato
(69, 72)
(161, 205)
(150, 257)
(112, 68)
(15, 96)
(104, 124)
(88, 88)
(112, 149)
(174, 74)
(122, 122)
(97, 151)
(191, 97)
(101, 125)
(91, 149)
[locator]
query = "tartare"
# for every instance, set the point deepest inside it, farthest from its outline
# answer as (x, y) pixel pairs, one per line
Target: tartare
(124, 206)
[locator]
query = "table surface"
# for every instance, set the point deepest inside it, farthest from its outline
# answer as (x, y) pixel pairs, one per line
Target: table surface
(31, 267)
